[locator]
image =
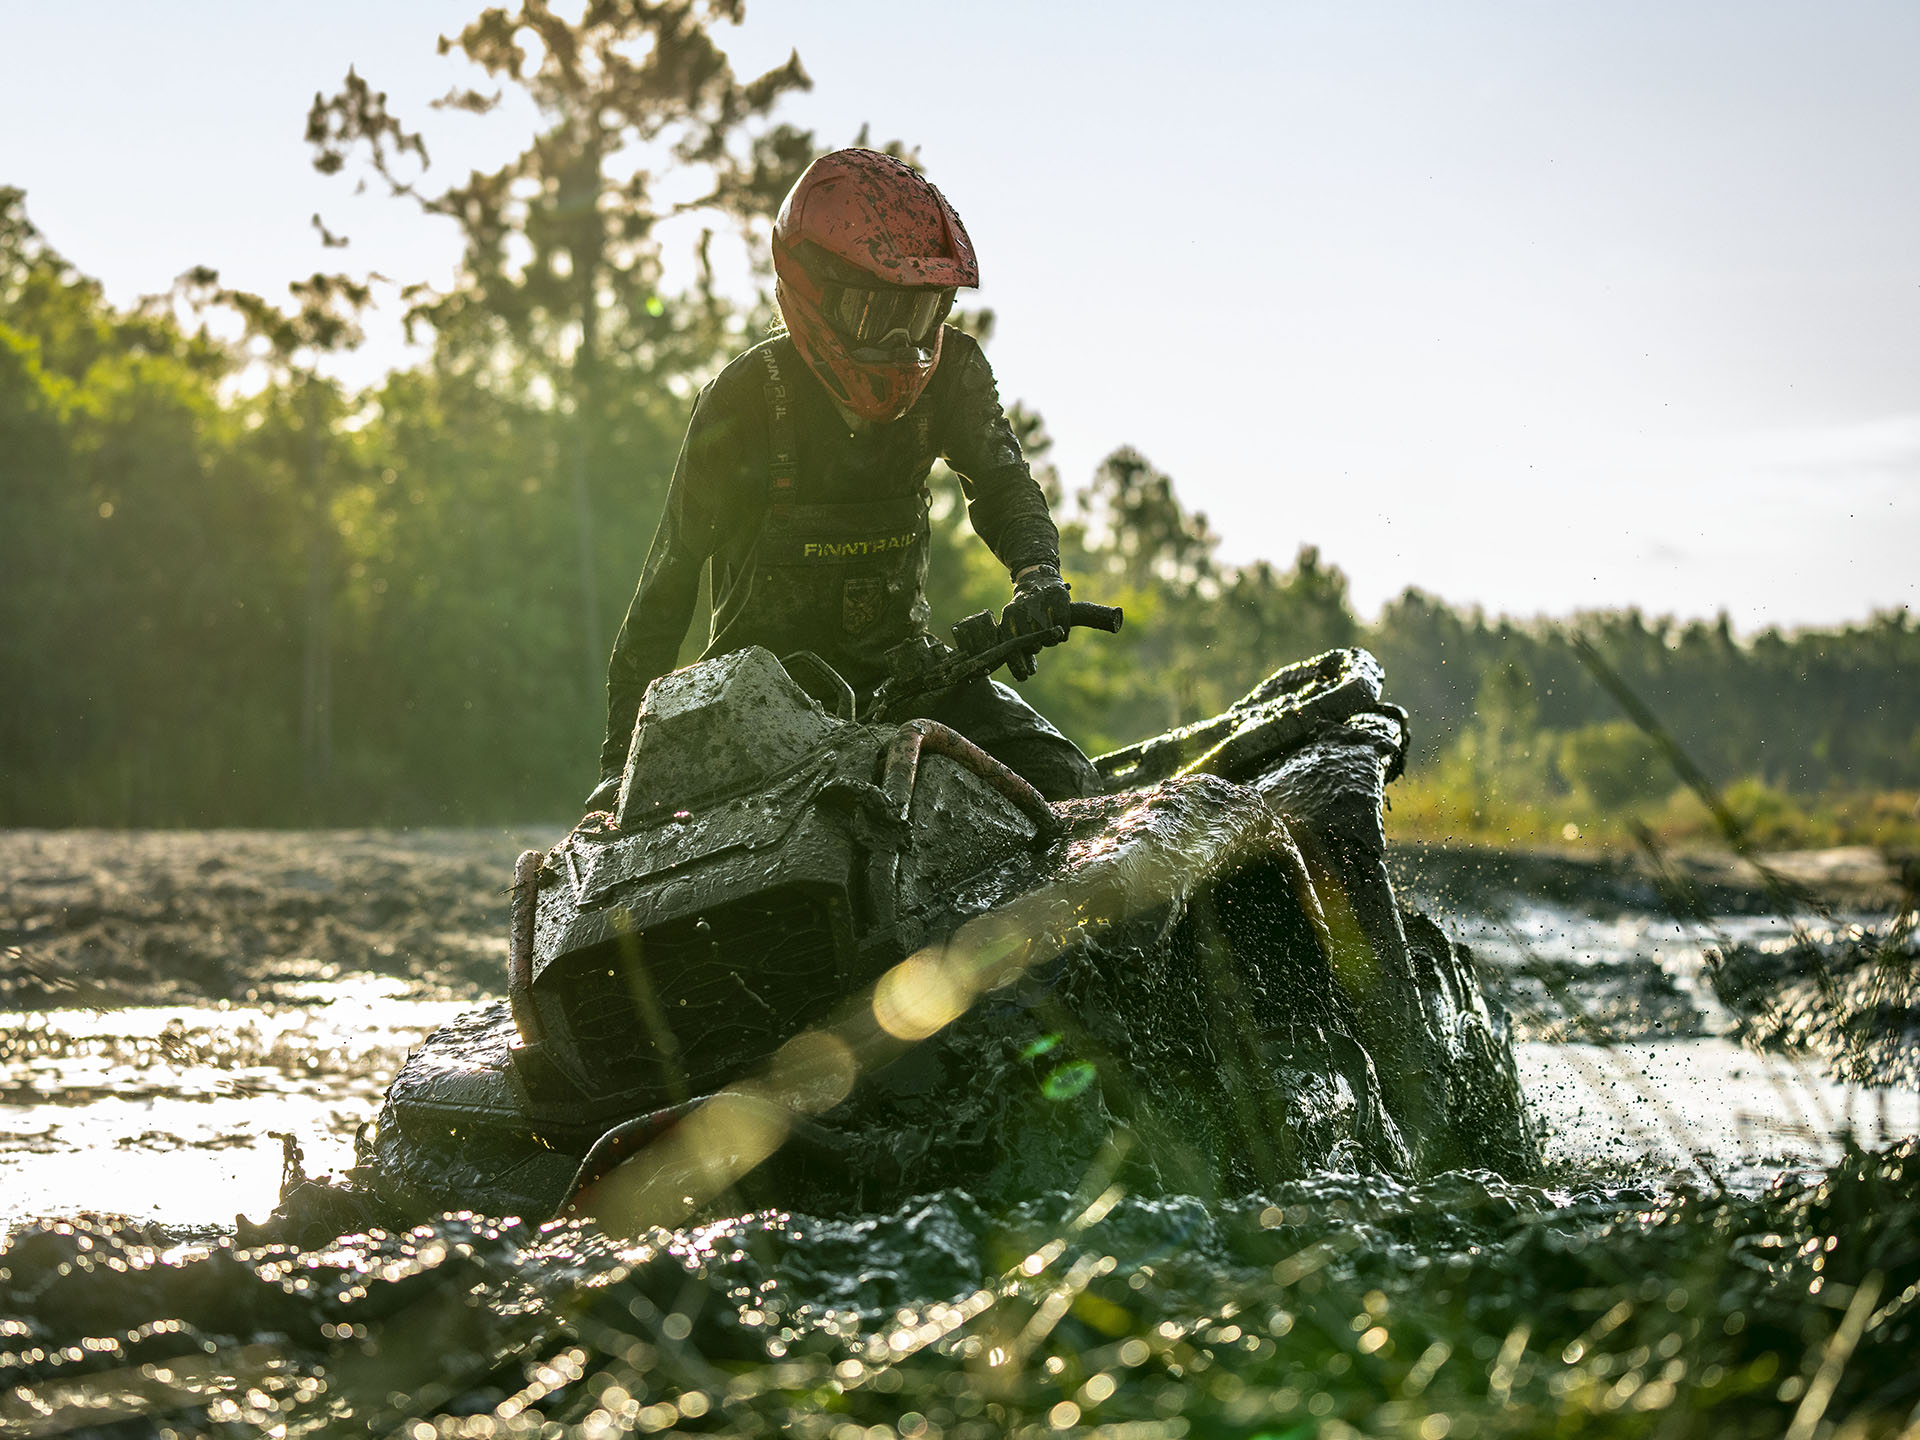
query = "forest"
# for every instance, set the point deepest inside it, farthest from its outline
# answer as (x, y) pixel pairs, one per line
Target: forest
(239, 593)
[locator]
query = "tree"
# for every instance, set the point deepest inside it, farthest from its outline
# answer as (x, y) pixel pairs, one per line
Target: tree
(142, 621)
(1287, 616)
(560, 295)
(1140, 530)
(290, 343)
(1611, 764)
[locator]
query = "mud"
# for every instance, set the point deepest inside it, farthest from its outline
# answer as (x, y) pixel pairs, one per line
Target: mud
(1849, 995)
(1624, 1292)
(1790, 953)
(1461, 1305)
(1448, 878)
(111, 918)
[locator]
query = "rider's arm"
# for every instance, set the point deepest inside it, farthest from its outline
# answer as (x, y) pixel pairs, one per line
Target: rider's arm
(1008, 509)
(663, 603)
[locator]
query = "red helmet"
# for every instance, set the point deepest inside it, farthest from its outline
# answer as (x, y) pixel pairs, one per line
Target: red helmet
(866, 257)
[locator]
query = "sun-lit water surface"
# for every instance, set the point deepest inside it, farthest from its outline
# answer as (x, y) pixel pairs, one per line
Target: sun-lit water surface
(172, 1114)
(1706, 1107)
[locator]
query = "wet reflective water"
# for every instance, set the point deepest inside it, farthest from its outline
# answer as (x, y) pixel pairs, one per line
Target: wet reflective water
(1630, 1287)
(1705, 1108)
(172, 1114)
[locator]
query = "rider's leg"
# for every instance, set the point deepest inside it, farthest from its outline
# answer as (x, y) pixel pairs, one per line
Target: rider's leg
(996, 719)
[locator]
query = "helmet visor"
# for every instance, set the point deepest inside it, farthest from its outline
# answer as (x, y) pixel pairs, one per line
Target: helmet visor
(869, 316)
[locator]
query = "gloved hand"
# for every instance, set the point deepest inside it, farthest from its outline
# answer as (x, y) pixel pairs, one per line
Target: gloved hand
(604, 794)
(1041, 601)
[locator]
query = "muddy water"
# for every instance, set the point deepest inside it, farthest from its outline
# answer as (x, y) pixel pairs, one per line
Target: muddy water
(1702, 1248)
(173, 1113)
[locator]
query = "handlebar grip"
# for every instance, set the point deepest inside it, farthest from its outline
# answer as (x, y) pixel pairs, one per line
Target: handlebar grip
(1089, 616)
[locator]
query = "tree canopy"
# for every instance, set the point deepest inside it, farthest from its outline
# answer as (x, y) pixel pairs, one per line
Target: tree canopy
(200, 571)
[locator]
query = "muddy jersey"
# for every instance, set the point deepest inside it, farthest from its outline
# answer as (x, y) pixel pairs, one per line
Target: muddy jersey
(817, 533)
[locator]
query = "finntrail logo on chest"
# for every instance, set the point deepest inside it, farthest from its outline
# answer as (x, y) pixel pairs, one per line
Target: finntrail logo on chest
(857, 549)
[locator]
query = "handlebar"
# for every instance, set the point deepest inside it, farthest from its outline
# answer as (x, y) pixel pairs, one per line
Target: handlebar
(1089, 616)
(981, 649)
(980, 633)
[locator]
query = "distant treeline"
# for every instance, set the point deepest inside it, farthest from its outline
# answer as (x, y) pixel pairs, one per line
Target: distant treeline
(297, 606)
(233, 593)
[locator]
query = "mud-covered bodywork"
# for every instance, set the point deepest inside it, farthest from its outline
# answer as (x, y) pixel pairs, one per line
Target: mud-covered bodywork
(829, 963)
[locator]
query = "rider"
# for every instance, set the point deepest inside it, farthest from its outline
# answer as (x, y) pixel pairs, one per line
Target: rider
(803, 474)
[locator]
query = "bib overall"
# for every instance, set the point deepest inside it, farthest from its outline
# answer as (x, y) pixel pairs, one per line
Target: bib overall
(847, 580)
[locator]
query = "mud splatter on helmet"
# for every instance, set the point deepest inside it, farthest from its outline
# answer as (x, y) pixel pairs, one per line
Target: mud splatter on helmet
(866, 258)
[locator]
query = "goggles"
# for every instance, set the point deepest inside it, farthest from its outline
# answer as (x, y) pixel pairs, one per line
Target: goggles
(869, 316)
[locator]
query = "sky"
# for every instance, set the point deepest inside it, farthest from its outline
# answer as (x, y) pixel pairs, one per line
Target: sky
(1539, 308)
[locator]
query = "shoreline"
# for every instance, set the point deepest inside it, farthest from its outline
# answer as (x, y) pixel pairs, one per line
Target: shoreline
(120, 917)
(1695, 880)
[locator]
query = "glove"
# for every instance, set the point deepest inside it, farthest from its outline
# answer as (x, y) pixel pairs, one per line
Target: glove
(604, 794)
(1041, 601)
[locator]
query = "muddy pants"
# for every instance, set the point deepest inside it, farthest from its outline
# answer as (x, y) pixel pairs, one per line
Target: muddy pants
(995, 718)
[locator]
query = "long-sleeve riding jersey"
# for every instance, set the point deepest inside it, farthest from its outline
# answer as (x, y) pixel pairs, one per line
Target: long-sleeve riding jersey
(817, 533)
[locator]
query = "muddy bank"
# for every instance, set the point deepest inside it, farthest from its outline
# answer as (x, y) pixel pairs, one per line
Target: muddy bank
(1605, 1002)
(1613, 949)
(111, 918)
(101, 917)
(1477, 879)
